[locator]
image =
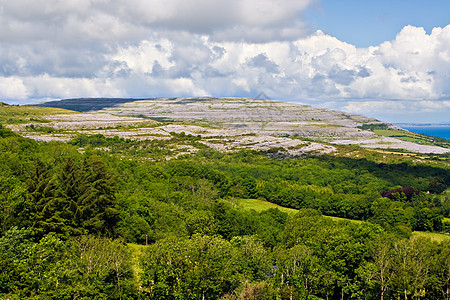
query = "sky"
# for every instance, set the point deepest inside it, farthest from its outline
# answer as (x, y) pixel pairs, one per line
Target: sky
(385, 59)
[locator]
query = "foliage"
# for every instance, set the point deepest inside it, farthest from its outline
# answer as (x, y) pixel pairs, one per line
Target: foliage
(85, 267)
(97, 140)
(372, 127)
(66, 216)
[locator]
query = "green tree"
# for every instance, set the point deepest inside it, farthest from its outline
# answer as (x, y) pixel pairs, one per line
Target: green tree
(96, 207)
(254, 261)
(440, 271)
(257, 291)
(202, 267)
(412, 267)
(384, 262)
(299, 270)
(14, 251)
(12, 194)
(76, 200)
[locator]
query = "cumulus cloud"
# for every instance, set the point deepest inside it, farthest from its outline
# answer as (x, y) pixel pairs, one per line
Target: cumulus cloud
(114, 20)
(13, 88)
(150, 48)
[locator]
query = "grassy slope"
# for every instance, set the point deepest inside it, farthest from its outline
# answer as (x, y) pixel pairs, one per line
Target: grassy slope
(13, 114)
(439, 237)
(260, 205)
(413, 137)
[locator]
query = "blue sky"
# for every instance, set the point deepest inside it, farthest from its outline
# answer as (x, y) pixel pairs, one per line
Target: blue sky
(369, 23)
(386, 59)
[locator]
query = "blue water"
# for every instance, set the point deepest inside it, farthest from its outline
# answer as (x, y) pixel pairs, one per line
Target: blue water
(442, 131)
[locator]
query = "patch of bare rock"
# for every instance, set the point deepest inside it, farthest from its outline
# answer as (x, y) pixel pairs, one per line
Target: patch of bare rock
(227, 124)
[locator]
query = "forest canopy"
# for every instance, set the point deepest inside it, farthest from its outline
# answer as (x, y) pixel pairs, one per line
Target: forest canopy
(97, 224)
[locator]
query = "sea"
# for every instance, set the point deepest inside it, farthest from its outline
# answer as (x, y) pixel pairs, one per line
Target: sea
(438, 130)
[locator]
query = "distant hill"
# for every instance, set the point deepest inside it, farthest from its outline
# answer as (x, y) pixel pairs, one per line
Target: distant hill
(261, 117)
(255, 115)
(86, 104)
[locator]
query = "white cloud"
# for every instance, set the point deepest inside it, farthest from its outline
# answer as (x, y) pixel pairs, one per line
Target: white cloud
(13, 88)
(396, 107)
(48, 87)
(88, 20)
(145, 57)
(376, 106)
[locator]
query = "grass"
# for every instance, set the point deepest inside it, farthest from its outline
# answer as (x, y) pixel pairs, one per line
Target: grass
(412, 137)
(322, 125)
(414, 155)
(261, 205)
(136, 253)
(400, 134)
(338, 219)
(438, 237)
(14, 114)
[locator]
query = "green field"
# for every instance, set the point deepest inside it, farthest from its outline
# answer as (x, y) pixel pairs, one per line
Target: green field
(13, 114)
(261, 205)
(413, 137)
(438, 237)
